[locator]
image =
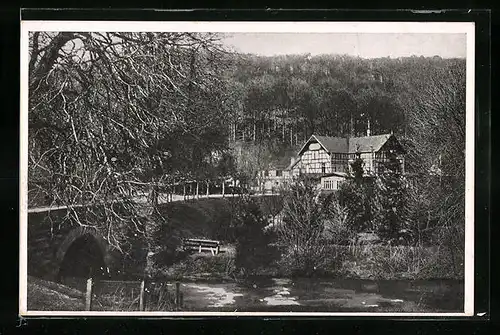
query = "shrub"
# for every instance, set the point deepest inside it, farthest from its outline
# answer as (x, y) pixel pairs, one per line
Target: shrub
(253, 247)
(305, 217)
(377, 261)
(197, 266)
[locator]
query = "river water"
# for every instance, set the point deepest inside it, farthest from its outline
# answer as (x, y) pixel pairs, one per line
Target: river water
(319, 295)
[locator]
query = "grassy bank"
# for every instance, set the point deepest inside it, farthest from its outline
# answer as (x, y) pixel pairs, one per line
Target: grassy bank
(372, 261)
(203, 266)
(376, 262)
(46, 295)
(49, 296)
(219, 219)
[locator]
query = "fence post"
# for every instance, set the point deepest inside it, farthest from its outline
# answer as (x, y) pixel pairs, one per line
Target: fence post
(177, 294)
(88, 295)
(141, 296)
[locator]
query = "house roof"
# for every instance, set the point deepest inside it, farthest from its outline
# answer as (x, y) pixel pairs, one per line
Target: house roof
(351, 145)
(366, 143)
(282, 163)
(333, 144)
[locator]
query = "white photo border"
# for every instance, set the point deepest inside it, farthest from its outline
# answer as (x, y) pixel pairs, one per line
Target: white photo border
(467, 28)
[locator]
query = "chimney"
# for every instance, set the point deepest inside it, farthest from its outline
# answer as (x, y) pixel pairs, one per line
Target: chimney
(368, 128)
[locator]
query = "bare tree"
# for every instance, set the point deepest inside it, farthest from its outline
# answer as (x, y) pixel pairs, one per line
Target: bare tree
(436, 118)
(102, 107)
(305, 216)
(437, 149)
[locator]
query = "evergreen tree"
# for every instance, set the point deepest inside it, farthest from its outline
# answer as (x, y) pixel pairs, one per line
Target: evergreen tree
(355, 196)
(357, 168)
(252, 241)
(390, 203)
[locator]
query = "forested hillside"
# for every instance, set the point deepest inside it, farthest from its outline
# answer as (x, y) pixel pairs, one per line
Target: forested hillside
(278, 102)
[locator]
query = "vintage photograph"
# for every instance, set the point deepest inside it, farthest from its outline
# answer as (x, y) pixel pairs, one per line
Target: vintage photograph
(226, 168)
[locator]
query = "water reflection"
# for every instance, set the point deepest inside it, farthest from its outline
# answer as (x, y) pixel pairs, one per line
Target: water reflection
(267, 294)
(281, 294)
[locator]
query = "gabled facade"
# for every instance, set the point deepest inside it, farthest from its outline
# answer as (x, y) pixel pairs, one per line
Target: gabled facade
(322, 155)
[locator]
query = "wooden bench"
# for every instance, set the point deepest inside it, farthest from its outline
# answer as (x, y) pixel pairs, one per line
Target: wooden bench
(202, 245)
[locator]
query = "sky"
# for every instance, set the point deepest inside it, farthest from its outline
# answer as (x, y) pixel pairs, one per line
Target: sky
(365, 45)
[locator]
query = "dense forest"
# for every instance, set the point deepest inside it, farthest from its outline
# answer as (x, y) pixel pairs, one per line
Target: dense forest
(278, 102)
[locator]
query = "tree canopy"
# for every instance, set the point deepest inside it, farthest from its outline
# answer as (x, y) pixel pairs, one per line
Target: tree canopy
(111, 114)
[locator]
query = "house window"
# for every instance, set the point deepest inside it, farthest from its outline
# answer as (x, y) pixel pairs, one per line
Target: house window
(323, 168)
(279, 173)
(266, 173)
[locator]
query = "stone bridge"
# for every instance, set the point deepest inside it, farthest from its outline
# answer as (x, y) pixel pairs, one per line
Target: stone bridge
(58, 248)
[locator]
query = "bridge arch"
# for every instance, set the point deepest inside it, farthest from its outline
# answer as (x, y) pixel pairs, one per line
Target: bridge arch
(82, 247)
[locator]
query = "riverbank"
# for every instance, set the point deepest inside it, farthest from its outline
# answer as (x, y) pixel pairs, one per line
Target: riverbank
(264, 294)
(45, 295)
(368, 262)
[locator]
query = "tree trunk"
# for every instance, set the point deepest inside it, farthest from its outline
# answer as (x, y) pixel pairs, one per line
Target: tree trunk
(223, 188)
(154, 194)
(208, 189)
(197, 190)
(283, 132)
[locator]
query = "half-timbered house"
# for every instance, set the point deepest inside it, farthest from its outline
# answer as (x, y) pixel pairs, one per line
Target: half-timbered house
(329, 158)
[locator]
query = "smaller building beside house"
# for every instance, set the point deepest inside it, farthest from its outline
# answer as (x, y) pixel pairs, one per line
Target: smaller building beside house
(271, 179)
(332, 181)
